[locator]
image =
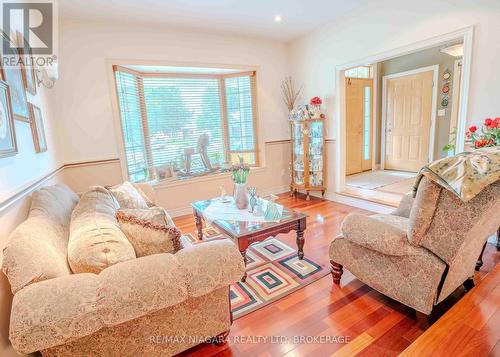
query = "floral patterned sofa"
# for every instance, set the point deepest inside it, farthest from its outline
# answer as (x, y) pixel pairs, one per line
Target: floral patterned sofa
(423, 251)
(155, 305)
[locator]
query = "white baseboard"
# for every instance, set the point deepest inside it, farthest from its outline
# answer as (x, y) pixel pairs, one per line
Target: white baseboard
(182, 211)
(359, 203)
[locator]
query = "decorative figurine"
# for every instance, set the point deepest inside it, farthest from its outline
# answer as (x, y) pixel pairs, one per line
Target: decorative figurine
(202, 150)
(252, 191)
(272, 212)
(258, 208)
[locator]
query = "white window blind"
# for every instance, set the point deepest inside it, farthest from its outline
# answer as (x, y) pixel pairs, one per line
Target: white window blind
(239, 117)
(178, 111)
(133, 136)
(162, 115)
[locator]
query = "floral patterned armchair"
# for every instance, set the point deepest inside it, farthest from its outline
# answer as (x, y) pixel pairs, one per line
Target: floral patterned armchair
(423, 251)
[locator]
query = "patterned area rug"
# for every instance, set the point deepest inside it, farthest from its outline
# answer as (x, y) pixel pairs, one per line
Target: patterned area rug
(273, 271)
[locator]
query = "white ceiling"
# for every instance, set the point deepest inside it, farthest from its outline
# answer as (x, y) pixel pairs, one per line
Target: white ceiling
(241, 17)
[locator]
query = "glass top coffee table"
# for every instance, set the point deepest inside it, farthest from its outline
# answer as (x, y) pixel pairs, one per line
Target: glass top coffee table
(245, 233)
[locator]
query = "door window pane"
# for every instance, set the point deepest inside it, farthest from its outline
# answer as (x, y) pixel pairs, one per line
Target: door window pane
(367, 122)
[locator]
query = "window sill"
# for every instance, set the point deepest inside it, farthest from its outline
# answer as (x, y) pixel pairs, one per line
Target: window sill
(160, 185)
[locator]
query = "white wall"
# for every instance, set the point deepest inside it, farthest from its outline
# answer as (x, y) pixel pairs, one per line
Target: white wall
(25, 167)
(384, 25)
(84, 93)
(388, 24)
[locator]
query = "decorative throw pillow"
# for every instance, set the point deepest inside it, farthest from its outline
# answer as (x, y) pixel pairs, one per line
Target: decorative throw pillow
(128, 196)
(150, 231)
(95, 240)
(143, 194)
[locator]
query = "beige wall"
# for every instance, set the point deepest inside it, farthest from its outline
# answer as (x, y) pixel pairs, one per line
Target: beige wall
(84, 98)
(177, 196)
(385, 25)
(84, 92)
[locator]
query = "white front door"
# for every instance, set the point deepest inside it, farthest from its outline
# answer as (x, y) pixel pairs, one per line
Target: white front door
(408, 119)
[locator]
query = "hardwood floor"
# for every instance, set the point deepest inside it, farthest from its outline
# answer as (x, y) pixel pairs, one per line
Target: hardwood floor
(306, 322)
(470, 328)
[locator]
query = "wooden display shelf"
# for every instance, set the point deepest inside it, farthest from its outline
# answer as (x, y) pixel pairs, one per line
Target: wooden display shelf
(309, 136)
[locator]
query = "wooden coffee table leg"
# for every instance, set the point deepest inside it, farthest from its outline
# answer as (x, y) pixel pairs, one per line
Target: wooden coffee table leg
(300, 237)
(300, 244)
(244, 255)
(199, 224)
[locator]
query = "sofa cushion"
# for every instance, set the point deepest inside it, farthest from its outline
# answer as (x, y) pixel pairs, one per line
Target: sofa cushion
(151, 231)
(96, 241)
(37, 249)
(128, 196)
(383, 233)
(56, 202)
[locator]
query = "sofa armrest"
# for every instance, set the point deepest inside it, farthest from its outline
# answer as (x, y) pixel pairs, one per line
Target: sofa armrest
(405, 206)
(52, 312)
(56, 311)
(211, 265)
(375, 234)
(136, 287)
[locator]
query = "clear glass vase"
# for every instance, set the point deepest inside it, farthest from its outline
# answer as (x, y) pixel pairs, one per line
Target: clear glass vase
(240, 195)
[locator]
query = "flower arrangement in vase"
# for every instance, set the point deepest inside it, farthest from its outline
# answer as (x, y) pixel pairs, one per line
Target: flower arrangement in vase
(489, 135)
(240, 174)
(315, 109)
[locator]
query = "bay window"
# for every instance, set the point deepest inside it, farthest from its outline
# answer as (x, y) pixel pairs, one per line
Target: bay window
(165, 115)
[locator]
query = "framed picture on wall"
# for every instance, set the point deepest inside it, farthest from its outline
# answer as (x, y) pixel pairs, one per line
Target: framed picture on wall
(28, 72)
(8, 145)
(37, 129)
(14, 77)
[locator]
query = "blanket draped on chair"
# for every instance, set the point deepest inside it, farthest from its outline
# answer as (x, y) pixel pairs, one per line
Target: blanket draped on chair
(465, 174)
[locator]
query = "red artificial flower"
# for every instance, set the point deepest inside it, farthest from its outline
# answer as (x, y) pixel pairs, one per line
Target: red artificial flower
(473, 129)
(488, 121)
(491, 142)
(494, 124)
(497, 120)
(480, 143)
(316, 101)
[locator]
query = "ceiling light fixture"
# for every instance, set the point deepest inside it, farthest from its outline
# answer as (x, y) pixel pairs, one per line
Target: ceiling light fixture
(277, 18)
